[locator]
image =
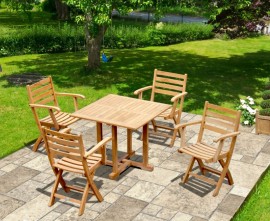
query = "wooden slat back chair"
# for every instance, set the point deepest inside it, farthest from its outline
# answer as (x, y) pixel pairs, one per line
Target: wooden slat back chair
(174, 86)
(66, 152)
(42, 95)
(224, 123)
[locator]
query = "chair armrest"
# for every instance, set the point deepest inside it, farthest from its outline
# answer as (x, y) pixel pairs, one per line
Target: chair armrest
(75, 97)
(70, 95)
(45, 106)
(97, 147)
(223, 137)
(65, 130)
(221, 143)
(178, 126)
(140, 91)
(176, 97)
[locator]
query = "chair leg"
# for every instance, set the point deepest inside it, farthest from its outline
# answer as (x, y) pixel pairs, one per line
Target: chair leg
(84, 198)
(177, 121)
(201, 166)
(173, 138)
(38, 141)
(221, 178)
(186, 176)
(61, 180)
(154, 125)
(95, 189)
(228, 174)
(56, 183)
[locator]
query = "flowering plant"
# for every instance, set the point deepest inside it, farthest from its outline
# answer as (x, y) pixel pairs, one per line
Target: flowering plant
(248, 111)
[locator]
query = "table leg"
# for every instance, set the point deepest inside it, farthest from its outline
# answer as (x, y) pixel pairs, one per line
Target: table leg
(146, 166)
(115, 172)
(99, 138)
(129, 143)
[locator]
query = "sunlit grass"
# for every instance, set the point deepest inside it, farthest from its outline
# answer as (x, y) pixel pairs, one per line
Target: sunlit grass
(218, 71)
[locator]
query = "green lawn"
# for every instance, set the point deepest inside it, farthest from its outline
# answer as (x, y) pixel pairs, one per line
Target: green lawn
(218, 71)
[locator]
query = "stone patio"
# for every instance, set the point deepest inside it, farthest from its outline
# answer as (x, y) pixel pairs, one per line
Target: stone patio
(26, 180)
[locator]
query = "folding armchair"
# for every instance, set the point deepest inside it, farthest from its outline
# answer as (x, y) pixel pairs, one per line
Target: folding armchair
(174, 86)
(66, 152)
(43, 96)
(219, 121)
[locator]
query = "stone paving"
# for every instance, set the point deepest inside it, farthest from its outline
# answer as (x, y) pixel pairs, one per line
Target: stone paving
(26, 180)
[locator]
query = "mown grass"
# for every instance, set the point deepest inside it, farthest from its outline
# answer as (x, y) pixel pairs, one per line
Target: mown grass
(218, 71)
(257, 205)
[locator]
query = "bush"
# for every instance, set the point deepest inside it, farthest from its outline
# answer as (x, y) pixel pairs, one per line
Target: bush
(42, 39)
(265, 104)
(267, 85)
(51, 39)
(265, 112)
(266, 95)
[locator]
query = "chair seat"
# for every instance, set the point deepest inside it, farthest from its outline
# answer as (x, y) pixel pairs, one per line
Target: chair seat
(62, 118)
(76, 166)
(202, 151)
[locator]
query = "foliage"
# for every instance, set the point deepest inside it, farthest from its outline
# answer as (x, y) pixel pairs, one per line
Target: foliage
(265, 104)
(266, 94)
(64, 38)
(267, 85)
(48, 6)
(248, 112)
(265, 112)
(239, 17)
(43, 39)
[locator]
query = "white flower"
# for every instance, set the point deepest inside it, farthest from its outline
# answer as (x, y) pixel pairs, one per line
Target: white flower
(250, 98)
(246, 122)
(242, 101)
(244, 106)
(251, 102)
(254, 120)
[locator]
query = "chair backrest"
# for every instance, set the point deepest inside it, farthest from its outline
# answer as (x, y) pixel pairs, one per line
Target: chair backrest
(167, 83)
(59, 145)
(42, 92)
(219, 119)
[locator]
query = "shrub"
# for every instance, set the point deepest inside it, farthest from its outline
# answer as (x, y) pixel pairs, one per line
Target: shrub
(267, 85)
(64, 38)
(265, 104)
(265, 112)
(266, 95)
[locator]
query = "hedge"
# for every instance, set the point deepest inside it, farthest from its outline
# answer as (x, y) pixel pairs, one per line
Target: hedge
(51, 39)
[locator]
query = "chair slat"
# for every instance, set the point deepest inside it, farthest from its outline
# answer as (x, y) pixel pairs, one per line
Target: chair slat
(169, 80)
(222, 109)
(64, 142)
(42, 96)
(40, 83)
(41, 89)
(216, 129)
(170, 74)
(219, 122)
(220, 116)
(169, 86)
(47, 100)
(166, 92)
(65, 154)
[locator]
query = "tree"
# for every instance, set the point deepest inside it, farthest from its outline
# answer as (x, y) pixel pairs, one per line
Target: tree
(62, 10)
(239, 17)
(96, 16)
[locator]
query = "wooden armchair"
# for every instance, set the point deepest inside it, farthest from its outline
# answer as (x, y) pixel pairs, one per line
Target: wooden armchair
(173, 85)
(66, 152)
(221, 121)
(43, 96)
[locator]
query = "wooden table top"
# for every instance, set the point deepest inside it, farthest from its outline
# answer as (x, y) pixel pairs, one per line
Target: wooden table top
(122, 111)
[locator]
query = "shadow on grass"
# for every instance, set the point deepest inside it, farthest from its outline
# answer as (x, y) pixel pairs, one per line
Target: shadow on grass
(217, 80)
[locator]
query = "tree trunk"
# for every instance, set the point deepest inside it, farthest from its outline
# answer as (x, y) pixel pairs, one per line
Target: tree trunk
(62, 10)
(93, 44)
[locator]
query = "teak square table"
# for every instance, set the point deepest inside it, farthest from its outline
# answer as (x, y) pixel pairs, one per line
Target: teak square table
(130, 113)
